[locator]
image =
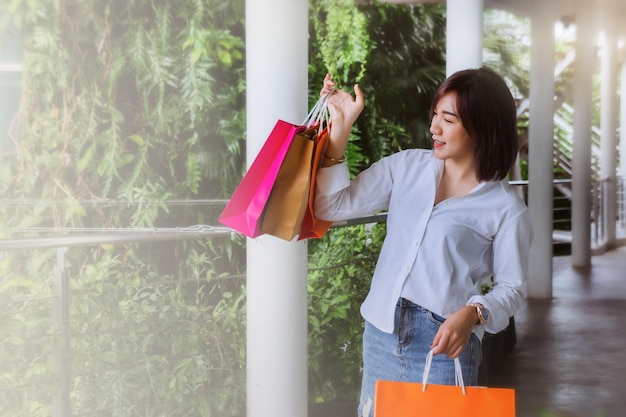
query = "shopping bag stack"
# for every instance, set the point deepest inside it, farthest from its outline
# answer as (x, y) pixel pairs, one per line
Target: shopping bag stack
(275, 196)
(410, 399)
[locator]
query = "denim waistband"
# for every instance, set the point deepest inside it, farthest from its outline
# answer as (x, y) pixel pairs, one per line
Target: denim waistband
(403, 302)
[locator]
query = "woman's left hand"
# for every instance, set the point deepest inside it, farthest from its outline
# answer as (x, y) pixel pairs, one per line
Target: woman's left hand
(454, 332)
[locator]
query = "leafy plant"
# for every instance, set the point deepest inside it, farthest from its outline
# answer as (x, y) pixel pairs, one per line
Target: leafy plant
(487, 284)
(343, 42)
(126, 105)
(340, 269)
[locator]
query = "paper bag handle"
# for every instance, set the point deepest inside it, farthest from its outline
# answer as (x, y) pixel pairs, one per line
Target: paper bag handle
(319, 113)
(458, 372)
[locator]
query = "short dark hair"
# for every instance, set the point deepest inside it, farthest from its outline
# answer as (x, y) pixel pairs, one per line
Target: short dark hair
(487, 111)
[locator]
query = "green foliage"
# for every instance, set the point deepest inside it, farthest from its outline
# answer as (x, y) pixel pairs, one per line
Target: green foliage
(131, 101)
(143, 342)
(406, 67)
(126, 104)
(506, 48)
(340, 268)
(487, 284)
(339, 45)
(343, 43)
(170, 341)
(29, 336)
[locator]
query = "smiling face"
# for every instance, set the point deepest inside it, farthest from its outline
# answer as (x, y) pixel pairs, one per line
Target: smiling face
(450, 139)
(482, 123)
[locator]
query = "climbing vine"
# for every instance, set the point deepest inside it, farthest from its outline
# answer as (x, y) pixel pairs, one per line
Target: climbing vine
(343, 41)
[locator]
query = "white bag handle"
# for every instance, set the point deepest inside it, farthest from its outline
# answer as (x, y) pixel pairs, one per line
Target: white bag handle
(319, 113)
(458, 372)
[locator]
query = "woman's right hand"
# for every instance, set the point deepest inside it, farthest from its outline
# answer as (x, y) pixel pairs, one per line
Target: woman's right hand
(344, 110)
(343, 107)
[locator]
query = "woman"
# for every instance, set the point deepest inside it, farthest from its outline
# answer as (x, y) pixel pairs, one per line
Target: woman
(452, 220)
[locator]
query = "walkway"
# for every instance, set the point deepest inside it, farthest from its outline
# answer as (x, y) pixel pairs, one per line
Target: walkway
(570, 358)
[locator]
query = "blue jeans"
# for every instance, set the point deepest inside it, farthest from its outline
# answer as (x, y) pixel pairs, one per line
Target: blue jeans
(401, 356)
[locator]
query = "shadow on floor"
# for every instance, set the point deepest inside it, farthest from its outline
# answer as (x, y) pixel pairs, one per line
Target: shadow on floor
(569, 359)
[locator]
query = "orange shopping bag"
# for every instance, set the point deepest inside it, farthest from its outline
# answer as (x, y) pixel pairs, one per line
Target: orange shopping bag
(411, 399)
(312, 227)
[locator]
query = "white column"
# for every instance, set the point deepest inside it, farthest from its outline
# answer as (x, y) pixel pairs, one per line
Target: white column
(622, 118)
(464, 35)
(541, 142)
(608, 123)
(277, 59)
(581, 177)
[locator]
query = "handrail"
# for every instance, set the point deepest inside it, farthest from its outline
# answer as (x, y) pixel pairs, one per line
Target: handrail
(115, 236)
(126, 235)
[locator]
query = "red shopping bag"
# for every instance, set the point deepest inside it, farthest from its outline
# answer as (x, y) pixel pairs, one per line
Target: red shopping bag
(244, 210)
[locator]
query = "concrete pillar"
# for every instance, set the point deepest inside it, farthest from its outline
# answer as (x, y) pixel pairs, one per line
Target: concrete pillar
(608, 124)
(581, 177)
(277, 74)
(464, 35)
(541, 142)
(622, 118)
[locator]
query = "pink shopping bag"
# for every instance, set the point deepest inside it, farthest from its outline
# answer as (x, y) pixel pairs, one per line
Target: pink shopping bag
(244, 211)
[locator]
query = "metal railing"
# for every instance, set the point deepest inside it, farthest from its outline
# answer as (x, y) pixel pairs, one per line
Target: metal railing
(60, 296)
(599, 224)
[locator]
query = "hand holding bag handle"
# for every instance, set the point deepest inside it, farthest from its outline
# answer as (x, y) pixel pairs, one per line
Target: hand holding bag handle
(458, 372)
(245, 209)
(312, 227)
(288, 202)
(319, 114)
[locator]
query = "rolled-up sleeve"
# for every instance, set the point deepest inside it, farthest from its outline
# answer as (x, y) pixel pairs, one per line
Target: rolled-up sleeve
(339, 198)
(511, 248)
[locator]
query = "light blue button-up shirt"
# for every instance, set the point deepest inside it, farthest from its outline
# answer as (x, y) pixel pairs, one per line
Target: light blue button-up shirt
(434, 255)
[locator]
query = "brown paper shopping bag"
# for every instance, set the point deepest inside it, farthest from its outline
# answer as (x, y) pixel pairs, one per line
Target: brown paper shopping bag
(290, 195)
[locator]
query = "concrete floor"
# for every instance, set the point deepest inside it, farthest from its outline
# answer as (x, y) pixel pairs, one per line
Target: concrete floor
(570, 357)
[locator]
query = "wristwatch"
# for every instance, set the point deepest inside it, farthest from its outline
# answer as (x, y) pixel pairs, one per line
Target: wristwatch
(483, 313)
